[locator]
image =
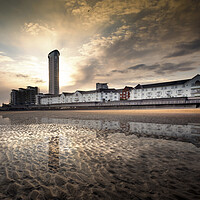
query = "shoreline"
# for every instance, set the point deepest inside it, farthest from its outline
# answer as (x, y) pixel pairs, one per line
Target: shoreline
(136, 108)
(141, 109)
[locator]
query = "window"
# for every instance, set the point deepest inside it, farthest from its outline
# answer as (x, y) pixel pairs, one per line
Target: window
(168, 92)
(179, 92)
(197, 83)
(149, 94)
(159, 94)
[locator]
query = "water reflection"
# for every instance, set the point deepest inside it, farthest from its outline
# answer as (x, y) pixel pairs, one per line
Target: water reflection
(53, 162)
(185, 133)
(4, 120)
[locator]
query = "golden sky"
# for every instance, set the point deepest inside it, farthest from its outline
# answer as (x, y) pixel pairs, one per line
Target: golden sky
(122, 42)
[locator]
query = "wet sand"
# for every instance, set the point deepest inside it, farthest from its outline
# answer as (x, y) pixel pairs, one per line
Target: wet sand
(171, 116)
(61, 161)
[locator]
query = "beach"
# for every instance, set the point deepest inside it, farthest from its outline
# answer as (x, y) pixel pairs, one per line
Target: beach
(106, 154)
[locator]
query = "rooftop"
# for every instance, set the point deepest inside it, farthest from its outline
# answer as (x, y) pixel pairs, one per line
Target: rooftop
(54, 51)
(179, 82)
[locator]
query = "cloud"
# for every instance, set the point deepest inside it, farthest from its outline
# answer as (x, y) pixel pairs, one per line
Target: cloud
(100, 13)
(186, 48)
(159, 68)
(98, 39)
(22, 76)
(118, 71)
(139, 66)
(87, 71)
(172, 68)
(4, 58)
(17, 81)
(142, 36)
(29, 78)
(35, 28)
(39, 80)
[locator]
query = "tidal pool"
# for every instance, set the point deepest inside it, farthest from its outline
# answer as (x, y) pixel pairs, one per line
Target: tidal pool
(113, 154)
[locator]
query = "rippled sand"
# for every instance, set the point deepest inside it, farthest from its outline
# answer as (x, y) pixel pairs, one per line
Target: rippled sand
(59, 161)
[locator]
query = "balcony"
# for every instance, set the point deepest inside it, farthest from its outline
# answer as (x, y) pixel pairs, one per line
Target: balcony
(195, 91)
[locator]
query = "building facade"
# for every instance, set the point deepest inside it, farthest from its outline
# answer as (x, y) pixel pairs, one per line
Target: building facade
(183, 88)
(125, 93)
(53, 57)
(100, 95)
(24, 96)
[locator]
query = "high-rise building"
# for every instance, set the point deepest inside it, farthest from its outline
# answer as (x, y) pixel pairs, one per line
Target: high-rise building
(54, 72)
(24, 96)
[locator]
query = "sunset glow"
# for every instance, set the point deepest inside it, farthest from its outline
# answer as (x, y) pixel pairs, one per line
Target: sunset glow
(115, 41)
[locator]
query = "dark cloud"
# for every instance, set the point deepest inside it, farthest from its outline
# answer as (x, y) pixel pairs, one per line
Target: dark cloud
(39, 81)
(35, 80)
(146, 67)
(159, 68)
(22, 76)
(186, 48)
(87, 72)
(140, 66)
(172, 68)
(101, 75)
(118, 71)
(155, 29)
(124, 51)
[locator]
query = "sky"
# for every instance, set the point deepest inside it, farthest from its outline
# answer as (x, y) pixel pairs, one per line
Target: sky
(120, 42)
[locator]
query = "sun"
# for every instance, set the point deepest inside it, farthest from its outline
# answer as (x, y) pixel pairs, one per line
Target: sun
(66, 70)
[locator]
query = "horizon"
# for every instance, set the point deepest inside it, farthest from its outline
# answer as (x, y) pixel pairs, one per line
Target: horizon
(125, 42)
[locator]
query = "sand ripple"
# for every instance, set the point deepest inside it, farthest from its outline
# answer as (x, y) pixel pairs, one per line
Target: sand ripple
(58, 161)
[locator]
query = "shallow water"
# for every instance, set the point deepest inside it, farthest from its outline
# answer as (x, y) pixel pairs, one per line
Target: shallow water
(100, 155)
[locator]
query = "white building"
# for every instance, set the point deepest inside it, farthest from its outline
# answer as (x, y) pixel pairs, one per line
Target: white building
(181, 88)
(101, 95)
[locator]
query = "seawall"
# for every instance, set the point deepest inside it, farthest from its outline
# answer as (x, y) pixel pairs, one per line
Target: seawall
(182, 102)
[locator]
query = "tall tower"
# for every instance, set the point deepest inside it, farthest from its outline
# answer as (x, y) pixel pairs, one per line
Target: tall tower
(53, 57)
